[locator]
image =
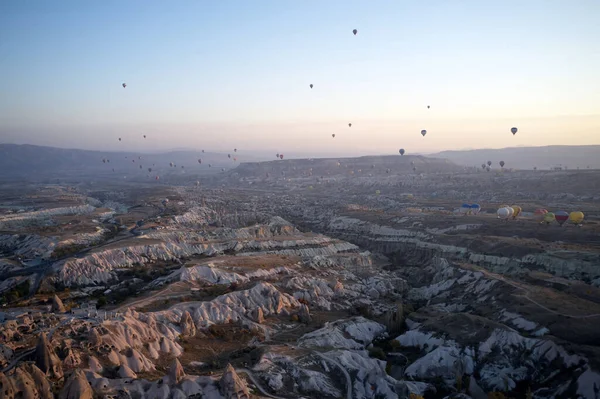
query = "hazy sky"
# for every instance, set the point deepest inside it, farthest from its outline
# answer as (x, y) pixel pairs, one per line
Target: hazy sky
(224, 74)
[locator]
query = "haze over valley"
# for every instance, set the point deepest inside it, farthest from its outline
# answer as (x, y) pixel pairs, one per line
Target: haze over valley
(341, 199)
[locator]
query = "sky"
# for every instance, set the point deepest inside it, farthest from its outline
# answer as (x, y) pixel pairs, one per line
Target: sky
(218, 75)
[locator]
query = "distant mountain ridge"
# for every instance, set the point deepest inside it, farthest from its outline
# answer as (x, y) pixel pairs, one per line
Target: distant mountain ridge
(30, 162)
(545, 157)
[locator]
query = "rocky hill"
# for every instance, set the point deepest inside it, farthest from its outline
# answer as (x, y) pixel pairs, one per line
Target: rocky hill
(572, 157)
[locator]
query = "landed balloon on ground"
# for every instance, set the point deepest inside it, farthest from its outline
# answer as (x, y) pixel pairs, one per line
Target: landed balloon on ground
(539, 214)
(576, 217)
(549, 217)
(503, 213)
(561, 217)
(517, 211)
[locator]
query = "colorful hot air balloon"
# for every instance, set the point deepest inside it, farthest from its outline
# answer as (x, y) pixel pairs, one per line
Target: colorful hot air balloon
(124, 85)
(576, 217)
(280, 156)
(355, 31)
(549, 217)
(401, 151)
(157, 178)
(423, 133)
(475, 209)
(465, 208)
(539, 214)
(514, 130)
(561, 217)
(517, 210)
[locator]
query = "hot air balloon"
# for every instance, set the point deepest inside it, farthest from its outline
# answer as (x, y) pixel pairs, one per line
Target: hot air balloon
(124, 85)
(414, 168)
(209, 165)
(229, 156)
(489, 163)
(387, 171)
(503, 213)
(280, 156)
(576, 217)
(501, 164)
(517, 210)
(104, 161)
(514, 130)
(401, 151)
(197, 183)
(119, 139)
(311, 85)
(144, 136)
(140, 166)
(549, 217)
(539, 214)
(349, 124)
(157, 177)
(561, 217)
(423, 133)
(203, 151)
(170, 164)
(333, 135)
(482, 166)
(465, 208)
(149, 170)
(355, 31)
(475, 209)
(235, 150)
(234, 159)
(488, 169)
(199, 160)
(182, 167)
